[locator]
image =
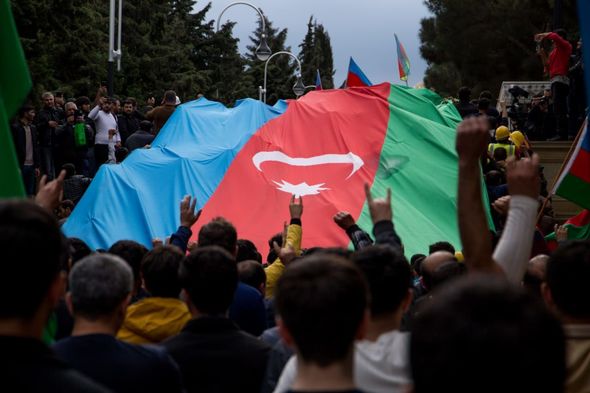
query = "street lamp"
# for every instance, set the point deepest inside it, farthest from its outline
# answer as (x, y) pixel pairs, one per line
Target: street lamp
(298, 87)
(263, 51)
(114, 54)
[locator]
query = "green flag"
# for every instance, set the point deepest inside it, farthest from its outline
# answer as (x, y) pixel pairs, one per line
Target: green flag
(15, 84)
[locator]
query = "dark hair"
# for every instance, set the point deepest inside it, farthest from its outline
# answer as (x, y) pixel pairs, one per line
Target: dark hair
(132, 252)
(127, 101)
(429, 274)
(247, 250)
(568, 270)
(251, 273)
(322, 300)
(145, 125)
(70, 169)
(495, 178)
(210, 277)
(485, 94)
(483, 104)
(33, 253)
(441, 246)
(464, 93)
(83, 100)
(160, 271)
(388, 275)
(24, 109)
(121, 154)
(500, 154)
(170, 97)
(446, 272)
(132, 100)
(78, 249)
(416, 262)
(562, 33)
(272, 255)
(337, 251)
(484, 334)
(219, 232)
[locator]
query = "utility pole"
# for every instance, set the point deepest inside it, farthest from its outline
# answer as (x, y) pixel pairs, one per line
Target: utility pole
(114, 54)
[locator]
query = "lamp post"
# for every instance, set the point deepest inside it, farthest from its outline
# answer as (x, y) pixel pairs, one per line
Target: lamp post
(114, 54)
(298, 87)
(263, 52)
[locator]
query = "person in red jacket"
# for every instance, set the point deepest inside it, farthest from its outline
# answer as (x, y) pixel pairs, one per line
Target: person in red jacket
(557, 65)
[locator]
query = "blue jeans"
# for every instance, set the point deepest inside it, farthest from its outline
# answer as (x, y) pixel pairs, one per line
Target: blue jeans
(47, 164)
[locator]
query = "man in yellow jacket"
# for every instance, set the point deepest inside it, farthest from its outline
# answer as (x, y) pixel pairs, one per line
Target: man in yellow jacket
(291, 247)
(163, 315)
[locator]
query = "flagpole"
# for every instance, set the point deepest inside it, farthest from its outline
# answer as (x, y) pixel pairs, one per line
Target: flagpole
(559, 173)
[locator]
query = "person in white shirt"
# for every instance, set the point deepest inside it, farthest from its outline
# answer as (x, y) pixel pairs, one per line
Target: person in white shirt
(381, 359)
(107, 129)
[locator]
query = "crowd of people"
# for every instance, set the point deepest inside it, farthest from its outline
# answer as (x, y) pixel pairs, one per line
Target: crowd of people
(505, 313)
(555, 113)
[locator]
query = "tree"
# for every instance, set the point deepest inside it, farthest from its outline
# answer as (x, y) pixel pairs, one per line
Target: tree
(316, 54)
(495, 42)
(281, 69)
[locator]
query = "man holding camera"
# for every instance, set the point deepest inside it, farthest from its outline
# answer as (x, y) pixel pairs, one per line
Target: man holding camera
(73, 139)
(557, 64)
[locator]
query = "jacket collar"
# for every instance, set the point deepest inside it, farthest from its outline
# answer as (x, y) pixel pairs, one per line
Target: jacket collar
(210, 325)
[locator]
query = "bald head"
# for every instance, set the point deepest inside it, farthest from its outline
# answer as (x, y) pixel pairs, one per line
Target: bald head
(536, 273)
(432, 262)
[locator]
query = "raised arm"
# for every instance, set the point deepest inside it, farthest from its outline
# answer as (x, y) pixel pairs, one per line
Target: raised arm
(188, 217)
(382, 217)
(359, 238)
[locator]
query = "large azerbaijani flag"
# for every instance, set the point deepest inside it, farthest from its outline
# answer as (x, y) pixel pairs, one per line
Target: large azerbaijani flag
(574, 181)
(15, 84)
(245, 163)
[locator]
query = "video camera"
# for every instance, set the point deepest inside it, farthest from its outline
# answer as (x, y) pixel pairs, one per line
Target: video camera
(516, 111)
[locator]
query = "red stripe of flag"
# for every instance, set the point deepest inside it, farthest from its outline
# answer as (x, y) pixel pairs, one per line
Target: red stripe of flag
(581, 166)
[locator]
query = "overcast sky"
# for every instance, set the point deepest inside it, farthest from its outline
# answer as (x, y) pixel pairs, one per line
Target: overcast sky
(361, 29)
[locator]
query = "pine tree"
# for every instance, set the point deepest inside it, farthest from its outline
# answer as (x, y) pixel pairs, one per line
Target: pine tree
(316, 54)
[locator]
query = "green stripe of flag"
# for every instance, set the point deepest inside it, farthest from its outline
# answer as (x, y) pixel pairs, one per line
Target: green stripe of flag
(419, 163)
(575, 190)
(15, 83)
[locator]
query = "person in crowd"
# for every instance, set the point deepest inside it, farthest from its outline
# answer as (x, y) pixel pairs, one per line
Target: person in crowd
(106, 128)
(441, 246)
(557, 65)
(150, 101)
(99, 292)
(121, 154)
(247, 309)
(133, 253)
(140, 138)
(464, 106)
(359, 238)
(136, 113)
(577, 95)
(74, 185)
(127, 121)
(491, 111)
(29, 365)
(24, 135)
(252, 273)
(116, 108)
(522, 348)
(160, 114)
(536, 274)
(73, 138)
(565, 291)
(60, 100)
(213, 354)
(247, 251)
(48, 119)
(381, 359)
(502, 141)
(322, 308)
(161, 315)
(540, 123)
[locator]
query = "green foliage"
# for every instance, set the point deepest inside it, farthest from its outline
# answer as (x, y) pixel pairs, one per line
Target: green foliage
(480, 44)
(316, 54)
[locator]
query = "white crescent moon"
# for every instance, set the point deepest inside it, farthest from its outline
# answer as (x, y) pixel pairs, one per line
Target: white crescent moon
(278, 156)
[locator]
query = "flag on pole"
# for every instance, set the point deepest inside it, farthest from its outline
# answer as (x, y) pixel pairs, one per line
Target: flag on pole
(356, 76)
(574, 181)
(578, 228)
(403, 62)
(318, 81)
(15, 84)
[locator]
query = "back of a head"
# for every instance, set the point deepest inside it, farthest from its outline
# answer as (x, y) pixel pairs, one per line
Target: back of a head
(251, 273)
(83, 100)
(78, 249)
(121, 154)
(322, 300)
(159, 269)
(33, 253)
(146, 126)
(483, 334)
(483, 104)
(209, 275)
(70, 169)
(500, 154)
(485, 94)
(416, 262)
(219, 232)
(247, 251)
(99, 284)
(464, 93)
(568, 270)
(388, 275)
(170, 97)
(131, 252)
(441, 246)
(446, 272)
(431, 263)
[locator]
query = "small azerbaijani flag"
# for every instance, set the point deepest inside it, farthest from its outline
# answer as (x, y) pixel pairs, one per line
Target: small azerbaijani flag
(574, 182)
(578, 228)
(356, 76)
(318, 81)
(403, 62)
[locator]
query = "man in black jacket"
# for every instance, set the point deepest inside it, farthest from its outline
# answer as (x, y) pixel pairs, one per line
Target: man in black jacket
(70, 148)
(24, 135)
(48, 119)
(213, 354)
(31, 284)
(128, 122)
